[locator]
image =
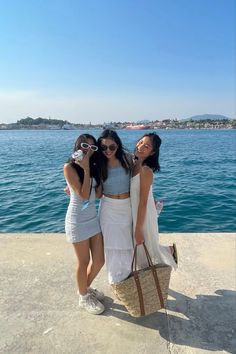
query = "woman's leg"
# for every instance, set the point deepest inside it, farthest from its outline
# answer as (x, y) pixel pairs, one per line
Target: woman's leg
(86, 300)
(83, 256)
(97, 257)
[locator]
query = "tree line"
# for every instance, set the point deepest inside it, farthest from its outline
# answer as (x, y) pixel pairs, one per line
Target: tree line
(39, 120)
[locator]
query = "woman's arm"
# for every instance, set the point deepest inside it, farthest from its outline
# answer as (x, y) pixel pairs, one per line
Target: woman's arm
(146, 177)
(82, 190)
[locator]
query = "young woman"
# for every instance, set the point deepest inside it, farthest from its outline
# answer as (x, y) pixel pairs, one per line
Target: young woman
(115, 208)
(81, 224)
(145, 228)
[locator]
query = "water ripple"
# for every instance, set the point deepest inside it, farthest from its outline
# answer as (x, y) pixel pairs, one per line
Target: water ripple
(197, 179)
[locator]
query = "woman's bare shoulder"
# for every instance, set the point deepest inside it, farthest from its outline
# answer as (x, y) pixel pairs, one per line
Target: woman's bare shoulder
(68, 168)
(146, 172)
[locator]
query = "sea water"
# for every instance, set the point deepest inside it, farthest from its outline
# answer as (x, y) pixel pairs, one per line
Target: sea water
(197, 179)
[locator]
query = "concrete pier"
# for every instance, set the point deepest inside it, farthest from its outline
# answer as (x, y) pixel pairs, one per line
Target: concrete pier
(39, 307)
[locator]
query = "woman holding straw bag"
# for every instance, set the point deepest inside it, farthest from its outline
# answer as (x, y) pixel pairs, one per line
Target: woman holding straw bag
(145, 228)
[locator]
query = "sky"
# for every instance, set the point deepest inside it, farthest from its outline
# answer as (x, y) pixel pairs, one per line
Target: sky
(116, 60)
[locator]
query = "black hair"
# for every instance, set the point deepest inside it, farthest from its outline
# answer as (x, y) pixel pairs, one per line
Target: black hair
(121, 153)
(93, 161)
(152, 161)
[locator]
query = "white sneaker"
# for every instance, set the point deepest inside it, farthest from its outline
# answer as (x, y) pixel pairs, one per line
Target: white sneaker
(98, 294)
(91, 304)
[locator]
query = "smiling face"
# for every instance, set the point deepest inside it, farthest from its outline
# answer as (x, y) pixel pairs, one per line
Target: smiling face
(144, 148)
(108, 147)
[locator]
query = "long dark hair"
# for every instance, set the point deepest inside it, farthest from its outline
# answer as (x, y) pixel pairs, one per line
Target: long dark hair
(121, 153)
(152, 161)
(93, 161)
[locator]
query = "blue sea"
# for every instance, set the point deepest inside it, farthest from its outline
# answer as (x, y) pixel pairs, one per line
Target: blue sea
(197, 179)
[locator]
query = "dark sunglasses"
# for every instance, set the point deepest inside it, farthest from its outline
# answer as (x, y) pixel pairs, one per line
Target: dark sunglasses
(88, 146)
(111, 147)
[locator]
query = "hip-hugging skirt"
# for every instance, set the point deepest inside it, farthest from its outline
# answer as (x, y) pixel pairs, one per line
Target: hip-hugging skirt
(116, 225)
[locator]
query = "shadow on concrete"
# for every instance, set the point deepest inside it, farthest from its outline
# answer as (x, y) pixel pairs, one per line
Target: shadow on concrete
(206, 322)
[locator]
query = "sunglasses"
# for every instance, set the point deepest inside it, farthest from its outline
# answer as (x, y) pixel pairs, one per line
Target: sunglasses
(111, 147)
(88, 146)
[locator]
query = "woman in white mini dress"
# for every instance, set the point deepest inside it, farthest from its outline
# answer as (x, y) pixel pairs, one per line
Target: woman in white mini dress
(82, 224)
(144, 213)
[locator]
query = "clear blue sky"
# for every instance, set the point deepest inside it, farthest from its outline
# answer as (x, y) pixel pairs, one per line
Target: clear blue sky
(123, 60)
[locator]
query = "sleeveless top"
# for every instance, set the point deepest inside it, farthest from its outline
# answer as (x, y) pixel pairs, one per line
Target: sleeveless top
(117, 182)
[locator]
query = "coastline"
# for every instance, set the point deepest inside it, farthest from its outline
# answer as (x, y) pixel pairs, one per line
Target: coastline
(39, 311)
(205, 121)
(231, 127)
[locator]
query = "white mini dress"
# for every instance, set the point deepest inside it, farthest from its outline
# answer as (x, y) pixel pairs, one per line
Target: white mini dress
(81, 222)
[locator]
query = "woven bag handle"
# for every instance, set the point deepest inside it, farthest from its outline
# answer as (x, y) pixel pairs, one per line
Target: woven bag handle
(134, 260)
(137, 281)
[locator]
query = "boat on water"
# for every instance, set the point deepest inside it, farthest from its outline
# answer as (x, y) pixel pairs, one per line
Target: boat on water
(68, 126)
(138, 126)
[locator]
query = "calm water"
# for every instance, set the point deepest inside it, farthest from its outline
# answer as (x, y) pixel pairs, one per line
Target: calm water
(197, 180)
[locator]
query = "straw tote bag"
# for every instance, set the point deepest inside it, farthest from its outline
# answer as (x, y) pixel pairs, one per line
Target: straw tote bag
(145, 291)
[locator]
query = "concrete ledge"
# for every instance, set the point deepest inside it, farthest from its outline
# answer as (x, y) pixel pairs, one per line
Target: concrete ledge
(39, 307)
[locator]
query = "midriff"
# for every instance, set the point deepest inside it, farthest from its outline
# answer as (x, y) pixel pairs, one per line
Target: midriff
(118, 196)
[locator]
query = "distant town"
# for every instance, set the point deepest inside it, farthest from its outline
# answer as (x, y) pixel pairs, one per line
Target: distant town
(207, 121)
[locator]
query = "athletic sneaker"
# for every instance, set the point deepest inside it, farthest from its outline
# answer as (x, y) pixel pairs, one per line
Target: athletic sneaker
(98, 294)
(91, 304)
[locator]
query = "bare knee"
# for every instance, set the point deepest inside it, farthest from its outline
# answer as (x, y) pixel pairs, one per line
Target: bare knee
(82, 265)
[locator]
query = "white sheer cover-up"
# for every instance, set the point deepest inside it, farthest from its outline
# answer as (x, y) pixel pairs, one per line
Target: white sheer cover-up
(158, 253)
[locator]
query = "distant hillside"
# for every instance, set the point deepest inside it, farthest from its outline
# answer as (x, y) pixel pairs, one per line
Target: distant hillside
(38, 121)
(208, 117)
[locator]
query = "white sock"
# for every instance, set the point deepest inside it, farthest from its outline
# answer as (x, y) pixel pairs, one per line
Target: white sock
(84, 297)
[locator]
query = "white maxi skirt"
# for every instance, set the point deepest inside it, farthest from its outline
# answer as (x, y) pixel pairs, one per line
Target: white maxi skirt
(116, 224)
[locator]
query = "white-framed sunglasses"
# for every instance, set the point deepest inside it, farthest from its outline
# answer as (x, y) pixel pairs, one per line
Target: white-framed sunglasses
(88, 146)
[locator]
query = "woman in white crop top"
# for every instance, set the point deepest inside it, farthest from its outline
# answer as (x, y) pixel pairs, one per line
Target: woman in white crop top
(115, 208)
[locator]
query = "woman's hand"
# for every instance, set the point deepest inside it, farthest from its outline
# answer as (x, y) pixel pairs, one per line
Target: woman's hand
(67, 190)
(84, 163)
(139, 237)
(159, 206)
